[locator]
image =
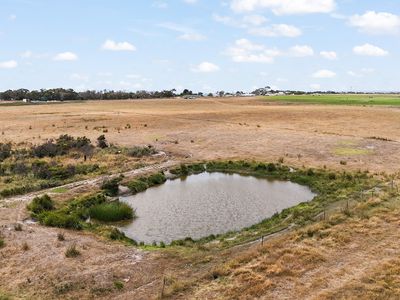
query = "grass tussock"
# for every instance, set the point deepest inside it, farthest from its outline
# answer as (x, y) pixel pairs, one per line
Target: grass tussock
(72, 251)
(111, 212)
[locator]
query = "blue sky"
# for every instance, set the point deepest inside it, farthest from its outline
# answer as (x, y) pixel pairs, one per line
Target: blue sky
(203, 45)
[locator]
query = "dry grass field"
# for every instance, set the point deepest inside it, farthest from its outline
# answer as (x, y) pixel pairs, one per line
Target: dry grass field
(351, 254)
(364, 137)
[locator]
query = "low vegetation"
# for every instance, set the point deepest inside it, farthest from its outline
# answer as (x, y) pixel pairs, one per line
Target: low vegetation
(72, 251)
(339, 99)
(75, 213)
(111, 212)
(111, 186)
(64, 160)
(142, 183)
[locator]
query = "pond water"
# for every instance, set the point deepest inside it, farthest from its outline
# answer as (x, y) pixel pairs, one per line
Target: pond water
(208, 203)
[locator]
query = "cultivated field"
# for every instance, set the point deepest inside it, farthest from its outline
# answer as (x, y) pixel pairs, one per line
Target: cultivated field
(349, 251)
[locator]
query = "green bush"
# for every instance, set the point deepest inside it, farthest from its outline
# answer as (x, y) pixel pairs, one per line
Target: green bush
(141, 151)
(137, 186)
(2, 243)
(60, 220)
(111, 212)
(111, 186)
(156, 179)
(41, 204)
(271, 167)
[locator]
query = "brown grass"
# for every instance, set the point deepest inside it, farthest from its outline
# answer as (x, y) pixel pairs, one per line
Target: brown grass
(201, 127)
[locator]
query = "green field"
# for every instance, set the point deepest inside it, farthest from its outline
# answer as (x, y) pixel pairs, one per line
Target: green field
(340, 99)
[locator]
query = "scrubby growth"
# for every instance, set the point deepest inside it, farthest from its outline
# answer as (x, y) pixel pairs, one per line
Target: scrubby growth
(41, 204)
(185, 170)
(102, 142)
(5, 151)
(74, 214)
(142, 183)
(138, 151)
(62, 146)
(111, 186)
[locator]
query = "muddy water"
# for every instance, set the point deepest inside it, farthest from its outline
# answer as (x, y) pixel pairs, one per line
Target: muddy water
(208, 203)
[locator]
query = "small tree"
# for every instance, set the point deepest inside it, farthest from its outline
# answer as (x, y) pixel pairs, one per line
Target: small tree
(102, 142)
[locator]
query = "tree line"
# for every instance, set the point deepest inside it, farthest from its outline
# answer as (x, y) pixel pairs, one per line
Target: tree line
(60, 94)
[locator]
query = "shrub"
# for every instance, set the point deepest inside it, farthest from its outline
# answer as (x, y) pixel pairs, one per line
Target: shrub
(141, 151)
(156, 179)
(2, 243)
(111, 186)
(60, 236)
(118, 285)
(137, 186)
(62, 145)
(111, 212)
(41, 204)
(5, 151)
(184, 170)
(18, 190)
(116, 235)
(49, 149)
(102, 142)
(60, 220)
(72, 252)
(271, 167)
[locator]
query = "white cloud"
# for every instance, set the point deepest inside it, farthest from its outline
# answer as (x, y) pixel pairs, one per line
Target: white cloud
(10, 64)
(246, 51)
(79, 77)
(244, 22)
(188, 34)
(206, 67)
(331, 55)
(324, 74)
(118, 46)
(315, 86)
(255, 20)
(276, 30)
(192, 37)
(376, 22)
(369, 50)
(361, 73)
(66, 56)
(27, 54)
(285, 7)
(12, 17)
(301, 51)
(190, 1)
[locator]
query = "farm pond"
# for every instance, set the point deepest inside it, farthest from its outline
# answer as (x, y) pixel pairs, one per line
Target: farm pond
(208, 203)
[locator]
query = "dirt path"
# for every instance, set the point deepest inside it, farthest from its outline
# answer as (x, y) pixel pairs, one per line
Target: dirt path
(23, 199)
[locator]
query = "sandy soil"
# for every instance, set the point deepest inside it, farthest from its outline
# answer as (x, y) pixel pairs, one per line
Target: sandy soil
(310, 135)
